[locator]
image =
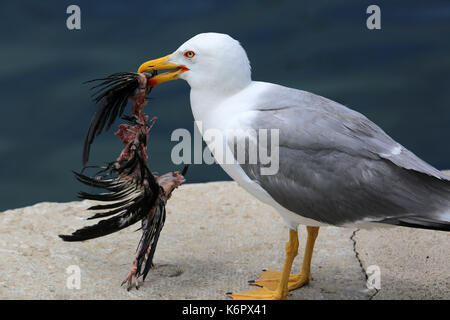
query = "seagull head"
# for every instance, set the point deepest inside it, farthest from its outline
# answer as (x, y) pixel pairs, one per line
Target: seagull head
(208, 61)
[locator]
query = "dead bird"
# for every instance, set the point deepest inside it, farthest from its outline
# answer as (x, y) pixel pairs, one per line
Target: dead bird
(133, 193)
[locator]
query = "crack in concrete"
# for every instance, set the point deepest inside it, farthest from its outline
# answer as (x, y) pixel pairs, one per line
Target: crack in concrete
(352, 238)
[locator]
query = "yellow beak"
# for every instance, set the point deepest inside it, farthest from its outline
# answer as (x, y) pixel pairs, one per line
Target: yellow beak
(161, 64)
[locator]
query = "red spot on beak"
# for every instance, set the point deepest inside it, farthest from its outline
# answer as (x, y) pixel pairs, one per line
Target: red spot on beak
(151, 83)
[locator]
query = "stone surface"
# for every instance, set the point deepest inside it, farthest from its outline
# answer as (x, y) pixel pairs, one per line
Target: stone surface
(414, 264)
(216, 238)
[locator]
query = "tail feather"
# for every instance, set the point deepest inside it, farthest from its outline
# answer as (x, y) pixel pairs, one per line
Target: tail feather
(431, 221)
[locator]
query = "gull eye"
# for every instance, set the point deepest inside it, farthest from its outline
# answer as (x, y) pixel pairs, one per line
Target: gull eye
(189, 54)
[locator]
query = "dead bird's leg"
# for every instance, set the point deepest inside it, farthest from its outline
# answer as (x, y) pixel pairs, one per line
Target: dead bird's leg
(132, 276)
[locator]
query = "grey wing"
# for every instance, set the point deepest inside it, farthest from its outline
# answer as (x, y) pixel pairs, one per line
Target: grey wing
(338, 167)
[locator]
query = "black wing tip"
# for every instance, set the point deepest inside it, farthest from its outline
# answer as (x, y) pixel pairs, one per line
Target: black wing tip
(68, 238)
(419, 223)
(85, 158)
(86, 233)
(185, 169)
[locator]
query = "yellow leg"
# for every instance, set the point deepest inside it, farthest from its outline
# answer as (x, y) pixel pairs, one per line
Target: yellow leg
(281, 291)
(269, 279)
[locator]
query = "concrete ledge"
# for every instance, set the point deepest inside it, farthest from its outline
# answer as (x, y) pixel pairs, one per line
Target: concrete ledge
(216, 238)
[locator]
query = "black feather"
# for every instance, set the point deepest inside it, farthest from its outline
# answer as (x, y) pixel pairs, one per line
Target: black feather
(111, 97)
(185, 169)
(151, 229)
(419, 222)
(136, 194)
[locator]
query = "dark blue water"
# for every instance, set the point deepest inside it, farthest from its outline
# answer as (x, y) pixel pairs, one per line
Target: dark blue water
(398, 76)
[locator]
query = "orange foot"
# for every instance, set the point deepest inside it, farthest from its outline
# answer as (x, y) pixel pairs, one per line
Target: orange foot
(269, 279)
(258, 294)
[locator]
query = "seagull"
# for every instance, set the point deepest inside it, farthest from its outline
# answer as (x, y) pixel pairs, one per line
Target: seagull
(336, 167)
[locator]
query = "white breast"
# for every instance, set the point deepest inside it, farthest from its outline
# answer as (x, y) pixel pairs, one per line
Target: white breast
(228, 114)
